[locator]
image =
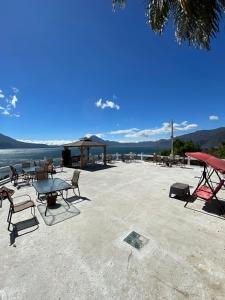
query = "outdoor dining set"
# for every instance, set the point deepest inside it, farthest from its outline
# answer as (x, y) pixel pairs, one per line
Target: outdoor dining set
(169, 161)
(47, 187)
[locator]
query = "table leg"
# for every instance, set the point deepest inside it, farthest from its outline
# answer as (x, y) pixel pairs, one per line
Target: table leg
(65, 199)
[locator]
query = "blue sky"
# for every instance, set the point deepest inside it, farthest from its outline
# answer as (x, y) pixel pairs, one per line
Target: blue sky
(71, 68)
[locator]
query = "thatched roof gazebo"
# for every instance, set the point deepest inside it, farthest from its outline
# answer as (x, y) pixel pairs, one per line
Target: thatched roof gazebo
(85, 144)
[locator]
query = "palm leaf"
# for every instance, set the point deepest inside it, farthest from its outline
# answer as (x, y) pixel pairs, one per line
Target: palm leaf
(195, 21)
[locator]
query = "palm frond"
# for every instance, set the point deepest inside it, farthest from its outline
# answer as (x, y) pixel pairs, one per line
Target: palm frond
(195, 21)
(120, 3)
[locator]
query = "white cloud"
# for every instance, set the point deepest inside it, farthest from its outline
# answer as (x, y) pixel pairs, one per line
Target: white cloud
(47, 142)
(107, 104)
(5, 112)
(213, 118)
(13, 101)
(152, 134)
(9, 104)
(165, 128)
(1, 94)
(125, 131)
(187, 127)
(99, 135)
(127, 141)
(15, 90)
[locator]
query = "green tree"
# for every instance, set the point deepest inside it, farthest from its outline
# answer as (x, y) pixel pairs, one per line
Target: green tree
(181, 147)
(195, 21)
(218, 151)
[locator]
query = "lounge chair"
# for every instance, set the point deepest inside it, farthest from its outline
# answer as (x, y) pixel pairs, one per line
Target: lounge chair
(207, 193)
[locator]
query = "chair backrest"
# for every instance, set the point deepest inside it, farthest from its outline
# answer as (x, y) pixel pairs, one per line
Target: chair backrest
(14, 174)
(42, 163)
(4, 191)
(50, 168)
(41, 175)
(4, 194)
(75, 178)
(25, 164)
(12, 169)
(109, 157)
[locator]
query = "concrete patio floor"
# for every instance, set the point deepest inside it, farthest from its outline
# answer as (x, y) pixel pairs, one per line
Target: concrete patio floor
(85, 257)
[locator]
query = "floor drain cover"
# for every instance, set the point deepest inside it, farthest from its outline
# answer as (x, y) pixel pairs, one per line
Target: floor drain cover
(136, 240)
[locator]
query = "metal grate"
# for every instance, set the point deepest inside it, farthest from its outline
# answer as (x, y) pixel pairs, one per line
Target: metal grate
(136, 240)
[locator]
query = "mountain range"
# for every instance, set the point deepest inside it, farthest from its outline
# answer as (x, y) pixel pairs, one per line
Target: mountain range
(7, 142)
(205, 138)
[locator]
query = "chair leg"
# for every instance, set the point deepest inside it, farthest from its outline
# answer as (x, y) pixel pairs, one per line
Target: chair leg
(46, 209)
(65, 199)
(78, 190)
(8, 215)
(9, 219)
(186, 202)
(33, 213)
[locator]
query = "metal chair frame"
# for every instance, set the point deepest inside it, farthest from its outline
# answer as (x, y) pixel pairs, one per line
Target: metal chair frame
(12, 208)
(74, 183)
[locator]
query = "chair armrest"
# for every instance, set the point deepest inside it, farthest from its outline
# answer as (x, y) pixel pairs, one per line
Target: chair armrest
(22, 196)
(68, 180)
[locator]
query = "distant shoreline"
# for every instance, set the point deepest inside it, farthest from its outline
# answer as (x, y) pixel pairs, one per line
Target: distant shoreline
(17, 155)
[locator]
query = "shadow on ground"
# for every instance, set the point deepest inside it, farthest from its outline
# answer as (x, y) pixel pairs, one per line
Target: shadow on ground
(21, 226)
(212, 208)
(189, 198)
(77, 199)
(98, 167)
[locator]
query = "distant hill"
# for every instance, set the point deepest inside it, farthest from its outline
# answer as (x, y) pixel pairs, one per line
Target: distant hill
(160, 144)
(7, 142)
(205, 138)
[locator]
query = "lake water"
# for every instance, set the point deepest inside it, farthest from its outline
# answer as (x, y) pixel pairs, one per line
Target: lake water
(14, 156)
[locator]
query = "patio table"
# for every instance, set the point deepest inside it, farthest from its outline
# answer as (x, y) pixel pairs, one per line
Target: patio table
(50, 187)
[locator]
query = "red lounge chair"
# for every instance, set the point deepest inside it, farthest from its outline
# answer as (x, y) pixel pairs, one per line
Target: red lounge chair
(207, 193)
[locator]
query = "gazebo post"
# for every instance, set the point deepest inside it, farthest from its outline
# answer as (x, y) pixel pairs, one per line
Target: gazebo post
(104, 158)
(81, 157)
(88, 152)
